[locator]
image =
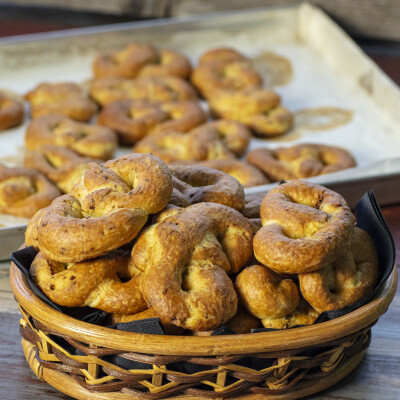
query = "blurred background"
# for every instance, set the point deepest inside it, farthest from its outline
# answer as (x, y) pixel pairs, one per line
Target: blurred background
(374, 24)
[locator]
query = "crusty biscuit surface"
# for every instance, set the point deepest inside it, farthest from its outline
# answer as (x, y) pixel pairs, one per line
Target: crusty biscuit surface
(305, 227)
(24, 191)
(85, 139)
(106, 209)
(185, 259)
(62, 98)
(300, 161)
(201, 184)
(94, 283)
(346, 280)
(11, 112)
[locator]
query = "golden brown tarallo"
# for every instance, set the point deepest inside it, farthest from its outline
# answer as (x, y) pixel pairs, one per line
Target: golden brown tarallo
(62, 98)
(95, 283)
(259, 110)
(246, 174)
(224, 69)
(300, 161)
(197, 184)
(305, 227)
(24, 191)
(185, 260)
(158, 89)
(234, 135)
(134, 119)
(266, 295)
(11, 112)
(85, 139)
(59, 164)
(346, 280)
(141, 59)
(223, 139)
(106, 209)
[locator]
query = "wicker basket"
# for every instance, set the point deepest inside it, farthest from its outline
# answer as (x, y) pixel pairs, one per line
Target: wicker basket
(295, 362)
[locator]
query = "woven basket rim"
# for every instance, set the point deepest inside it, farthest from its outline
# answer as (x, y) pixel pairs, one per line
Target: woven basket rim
(202, 346)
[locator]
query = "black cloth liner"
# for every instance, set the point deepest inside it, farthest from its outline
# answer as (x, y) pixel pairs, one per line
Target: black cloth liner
(369, 218)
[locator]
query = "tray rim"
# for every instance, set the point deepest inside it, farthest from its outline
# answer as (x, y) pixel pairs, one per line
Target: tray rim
(205, 346)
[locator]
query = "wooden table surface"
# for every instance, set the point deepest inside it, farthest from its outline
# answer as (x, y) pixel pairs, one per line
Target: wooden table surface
(377, 378)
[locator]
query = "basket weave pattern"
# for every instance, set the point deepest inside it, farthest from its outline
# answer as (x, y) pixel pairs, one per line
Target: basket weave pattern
(221, 376)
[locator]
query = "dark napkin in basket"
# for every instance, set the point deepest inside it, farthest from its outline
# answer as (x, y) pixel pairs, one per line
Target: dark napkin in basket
(369, 218)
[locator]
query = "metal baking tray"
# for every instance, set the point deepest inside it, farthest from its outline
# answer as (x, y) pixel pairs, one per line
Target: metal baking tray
(327, 70)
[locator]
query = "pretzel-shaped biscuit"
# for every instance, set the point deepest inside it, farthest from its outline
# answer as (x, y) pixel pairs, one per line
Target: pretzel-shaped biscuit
(215, 140)
(134, 119)
(158, 89)
(221, 54)
(106, 209)
(259, 110)
(300, 161)
(87, 140)
(247, 175)
(224, 69)
(305, 227)
(242, 322)
(61, 98)
(185, 260)
(215, 76)
(234, 135)
(201, 184)
(346, 280)
(266, 295)
(24, 191)
(94, 283)
(11, 112)
(141, 60)
(59, 164)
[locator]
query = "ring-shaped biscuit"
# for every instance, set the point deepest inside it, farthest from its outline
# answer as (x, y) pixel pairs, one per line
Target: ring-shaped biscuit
(134, 119)
(234, 135)
(246, 174)
(346, 280)
(24, 191)
(305, 227)
(11, 112)
(59, 164)
(201, 184)
(87, 140)
(221, 54)
(158, 89)
(259, 110)
(185, 280)
(225, 75)
(95, 283)
(210, 141)
(141, 60)
(266, 295)
(300, 161)
(106, 208)
(61, 98)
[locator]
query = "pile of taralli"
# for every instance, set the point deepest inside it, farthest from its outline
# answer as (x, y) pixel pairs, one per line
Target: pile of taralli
(138, 239)
(156, 101)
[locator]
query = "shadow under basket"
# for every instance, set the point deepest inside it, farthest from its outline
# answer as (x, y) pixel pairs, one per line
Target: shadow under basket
(77, 357)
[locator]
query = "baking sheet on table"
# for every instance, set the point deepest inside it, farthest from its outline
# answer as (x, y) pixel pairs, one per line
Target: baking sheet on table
(328, 70)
